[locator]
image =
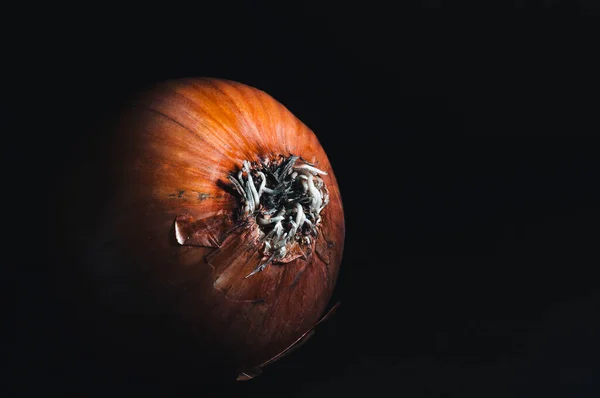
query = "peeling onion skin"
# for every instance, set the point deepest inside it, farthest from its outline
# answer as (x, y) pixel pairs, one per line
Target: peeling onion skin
(169, 159)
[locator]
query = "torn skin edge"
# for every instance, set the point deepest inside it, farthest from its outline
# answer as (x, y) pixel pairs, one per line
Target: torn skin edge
(194, 232)
(202, 232)
(249, 375)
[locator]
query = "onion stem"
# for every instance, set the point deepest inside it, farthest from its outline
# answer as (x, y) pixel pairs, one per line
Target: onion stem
(295, 192)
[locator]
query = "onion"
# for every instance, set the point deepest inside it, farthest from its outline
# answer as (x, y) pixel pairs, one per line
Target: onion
(214, 230)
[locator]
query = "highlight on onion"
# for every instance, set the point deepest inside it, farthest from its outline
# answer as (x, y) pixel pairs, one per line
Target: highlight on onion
(214, 232)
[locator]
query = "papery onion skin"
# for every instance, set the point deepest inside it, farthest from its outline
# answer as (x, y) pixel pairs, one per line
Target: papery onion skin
(168, 158)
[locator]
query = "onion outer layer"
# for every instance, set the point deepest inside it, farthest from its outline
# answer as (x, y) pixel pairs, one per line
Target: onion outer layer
(168, 161)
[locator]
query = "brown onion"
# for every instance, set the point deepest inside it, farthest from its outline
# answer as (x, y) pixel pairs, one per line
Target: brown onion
(219, 232)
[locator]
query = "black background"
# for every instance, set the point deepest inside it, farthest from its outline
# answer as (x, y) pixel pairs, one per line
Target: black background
(462, 140)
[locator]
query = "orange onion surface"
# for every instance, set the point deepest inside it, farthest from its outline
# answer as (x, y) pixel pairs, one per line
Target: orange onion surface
(217, 229)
